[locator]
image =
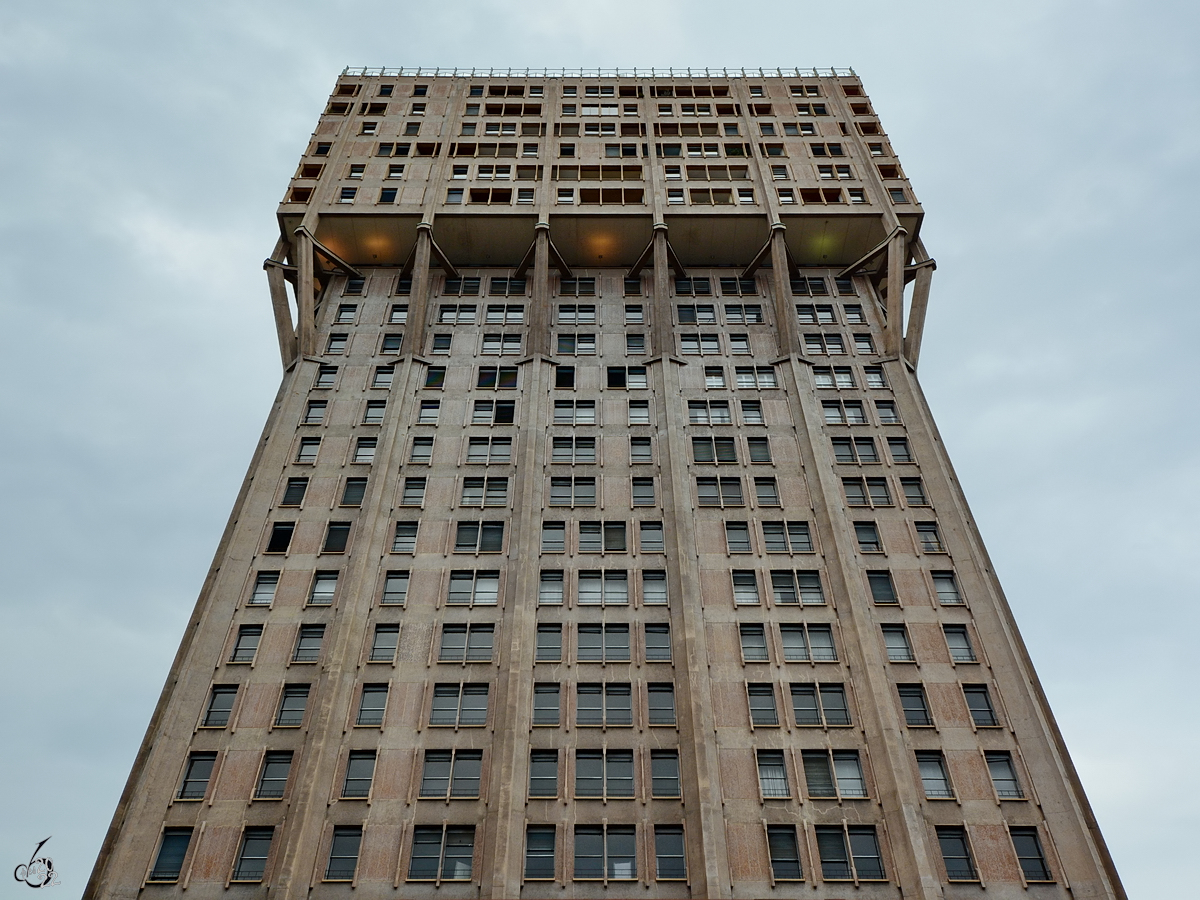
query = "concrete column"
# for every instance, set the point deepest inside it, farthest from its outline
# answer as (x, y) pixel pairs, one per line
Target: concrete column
(787, 332)
(418, 309)
(660, 296)
(896, 253)
(305, 309)
(539, 306)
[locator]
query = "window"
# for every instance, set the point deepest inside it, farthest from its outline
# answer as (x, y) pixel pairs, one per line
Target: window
(482, 450)
(549, 640)
(347, 194)
(874, 376)
(272, 780)
(849, 852)
(958, 642)
(395, 584)
(956, 853)
(1029, 854)
(506, 314)
(171, 853)
(343, 853)
(609, 587)
(772, 774)
(714, 450)
(308, 643)
(635, 344)
(308, 450)
(670, 858)
(324, 586)
(354, 492)
(934, 778)
(627, 378)
(364, 450)
(745, 587)
(720, 492)
(539, 852)
(604, 704)
(336, 343)
(502, 344)
(372, 704)
(384, 643)
(837, 377)
(421, 452)
(807, 313)
(979, 702)
(383, 376)
(428, 413)
(758, 377)
(479, 537)
(824, 345)
(787, 537)
(912, 701)
(760, 449)
(641, 450)
(573, 450)
(914, 492)
(484, 492)
(314, 413)
(246, 645)
(754, 643)
(714, 377)
(1004, 775)
(451, 774)
(868, 537)
(762, 705)
(337, 534)
(545, 704)
(805, 643)
(435, 376)
(543, 775)
(887, 412)
(459, 705)
(898, 448)
(664, 773)
(634, 314)
(929, 537)
(741, 314)
(572, 491)
(661, 703)
(196, 775)
(801, 586)
(737, 537)
(360, 772)
(784, 853)
(474, 587)
(373, 412)
(833, 774)
(493, 412)
(346, 312)
(497, 378)
(606, 774)
(642, 491)
(882, 589)
(874, 492)
(550, 585)
(820, 704)
(654, 587)
(850, 412)
(704, 314)
(709, 412)
(650, 537)
(265, 584)
(467, 643)
(605, 852)
(658, 642)
(220, 705)
(292, 706)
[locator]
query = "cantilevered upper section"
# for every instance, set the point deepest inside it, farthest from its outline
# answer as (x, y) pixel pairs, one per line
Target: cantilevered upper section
(601, 156)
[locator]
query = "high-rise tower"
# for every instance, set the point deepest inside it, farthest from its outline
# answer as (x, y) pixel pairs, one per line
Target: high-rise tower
(600, 541)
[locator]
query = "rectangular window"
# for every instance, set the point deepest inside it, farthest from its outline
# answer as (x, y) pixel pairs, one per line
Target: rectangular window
(474, 587)
(662, 703)
(484, 451)
(442, 852)
(609, 587)
(360, 772)
(849, 852)
(196, 776)
(787, 537)
(654, 587)
(372, 704)
(171, 853)
(337, 535)
(898, 448)
(979, 702)
(670, 859)
(946, 587)
(220, 705)
(934, 778)
(467, 643)
(772, 775)
(664, 773)
(459, 704)
(395, 584)
(545, 704)
(640, 450)
(720, 492)
(354, 491)
(604, 704)
(308, 643)
(572, 491)
(882, 588)
(384, 644)
(895, 639)
(606, 774)
(265, 584)
(246, 645)
(549, 641)
(307, 452)
(784, 852)
(451, 774)
(293, 494)
(292, 706)
(497, 378)
(539, 852)
(958, 642)
(762, 705)
(479, 537)
(820, 704)
(543, 774)
(868, 537)
(745, 587)
(912, 701)
(273, 779)
(605, 852)
(737, 537)
(314, 413)
(956, 853)
(1004, 775)
(1029, 854)
(603, 643)
(658, 642)
(805, 643)
(421, 452)
(373, 412)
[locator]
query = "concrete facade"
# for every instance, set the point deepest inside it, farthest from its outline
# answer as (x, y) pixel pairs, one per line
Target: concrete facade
(600, 540)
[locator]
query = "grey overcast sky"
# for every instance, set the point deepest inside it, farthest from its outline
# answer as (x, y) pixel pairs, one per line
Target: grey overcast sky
(145, 145)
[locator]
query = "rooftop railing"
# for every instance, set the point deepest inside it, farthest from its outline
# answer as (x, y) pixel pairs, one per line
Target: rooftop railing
(427, 72)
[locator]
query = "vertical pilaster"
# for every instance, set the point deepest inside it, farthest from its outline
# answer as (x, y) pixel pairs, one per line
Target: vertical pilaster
(787, 332)
(418, 310)
(539, 312)
(660, 296)
(920, 302)
(896, 254)
(305, 309)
